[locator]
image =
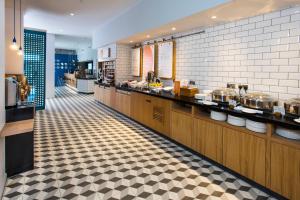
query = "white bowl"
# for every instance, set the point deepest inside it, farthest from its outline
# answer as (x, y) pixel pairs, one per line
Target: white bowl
(219, 116)
(236, 121)
(288, 133)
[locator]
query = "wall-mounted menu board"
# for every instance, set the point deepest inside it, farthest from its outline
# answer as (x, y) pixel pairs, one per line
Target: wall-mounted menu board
(165, 60)
(148, 59)
(136, 62)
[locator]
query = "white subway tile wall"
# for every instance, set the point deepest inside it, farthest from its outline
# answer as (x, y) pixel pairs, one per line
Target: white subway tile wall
(123, 63)
(263, 51)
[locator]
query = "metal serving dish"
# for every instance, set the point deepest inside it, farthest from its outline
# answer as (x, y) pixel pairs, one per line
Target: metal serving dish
(292, 106)
(224, 95)
(259, 100)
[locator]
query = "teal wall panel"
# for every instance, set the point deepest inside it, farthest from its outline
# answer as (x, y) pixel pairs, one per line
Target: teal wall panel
(35, 64)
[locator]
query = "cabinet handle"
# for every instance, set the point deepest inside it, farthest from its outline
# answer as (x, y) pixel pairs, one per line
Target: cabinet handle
(147, 100)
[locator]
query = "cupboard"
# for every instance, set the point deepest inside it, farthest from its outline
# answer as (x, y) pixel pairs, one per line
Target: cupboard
(151, 111)
(245, 154)
(182, 128)
(207, 139)
(123, 102)
(285, 170)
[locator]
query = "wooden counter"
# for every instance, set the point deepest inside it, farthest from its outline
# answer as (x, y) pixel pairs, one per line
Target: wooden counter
(267, 159)
(19, 127)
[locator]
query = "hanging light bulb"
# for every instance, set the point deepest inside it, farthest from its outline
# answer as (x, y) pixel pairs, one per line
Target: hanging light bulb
(20, 52)
(14, 46)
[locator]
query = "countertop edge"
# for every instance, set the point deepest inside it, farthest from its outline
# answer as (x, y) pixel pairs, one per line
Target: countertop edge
(18, 127)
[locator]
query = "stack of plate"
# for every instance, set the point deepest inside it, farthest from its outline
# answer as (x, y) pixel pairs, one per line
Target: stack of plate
(288, 133)
(219, 116)
(256, 126)
(236, 121)
(201, 96)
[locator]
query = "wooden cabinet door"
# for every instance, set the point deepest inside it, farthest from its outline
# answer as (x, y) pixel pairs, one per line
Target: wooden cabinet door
(106, 97)
(161, 115)
(113, 97)
(207, 139)
(137, 107)
(118, 101)
(285, 170)
(245, 154)
(181, 128)
(101, 94)
(123, 103)
(96, 92)
(147, 110)
(126, 104)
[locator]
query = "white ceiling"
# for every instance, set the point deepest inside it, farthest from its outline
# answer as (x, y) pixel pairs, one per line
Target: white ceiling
(231, 11)
(54, 15)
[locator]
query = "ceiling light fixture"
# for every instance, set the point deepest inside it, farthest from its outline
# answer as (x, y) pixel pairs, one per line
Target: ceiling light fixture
(173, 28)
(214, 17)
(14, 46)
(131, 41)
(20, 52)
(72, 14)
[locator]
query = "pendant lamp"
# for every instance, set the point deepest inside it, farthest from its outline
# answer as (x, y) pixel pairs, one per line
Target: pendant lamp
(14, 46)
(20, 52)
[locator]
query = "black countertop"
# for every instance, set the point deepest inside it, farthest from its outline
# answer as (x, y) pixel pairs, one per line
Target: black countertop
(286, 121)
(103, 84)
(20, 112)
(86, 78)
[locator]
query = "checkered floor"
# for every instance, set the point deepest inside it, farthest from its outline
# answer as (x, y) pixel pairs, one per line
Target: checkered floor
(83, 150)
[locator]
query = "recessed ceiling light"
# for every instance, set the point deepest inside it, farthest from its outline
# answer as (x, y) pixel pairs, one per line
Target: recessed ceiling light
(131, 41)
(148, 36)
(214, 17)
(72, 14)
(173, 28)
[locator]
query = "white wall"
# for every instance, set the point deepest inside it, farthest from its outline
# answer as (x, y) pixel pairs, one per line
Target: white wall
(85, 54)
(2, 94)
(50, 66)
(123, 63)
(13, 62)
(148, 15)
(113, 52)
(82, 45)
(263, 51)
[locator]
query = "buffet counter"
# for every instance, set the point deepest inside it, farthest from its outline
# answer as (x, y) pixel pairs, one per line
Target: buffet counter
(85, 85)
(265, 158)
(266, 117)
